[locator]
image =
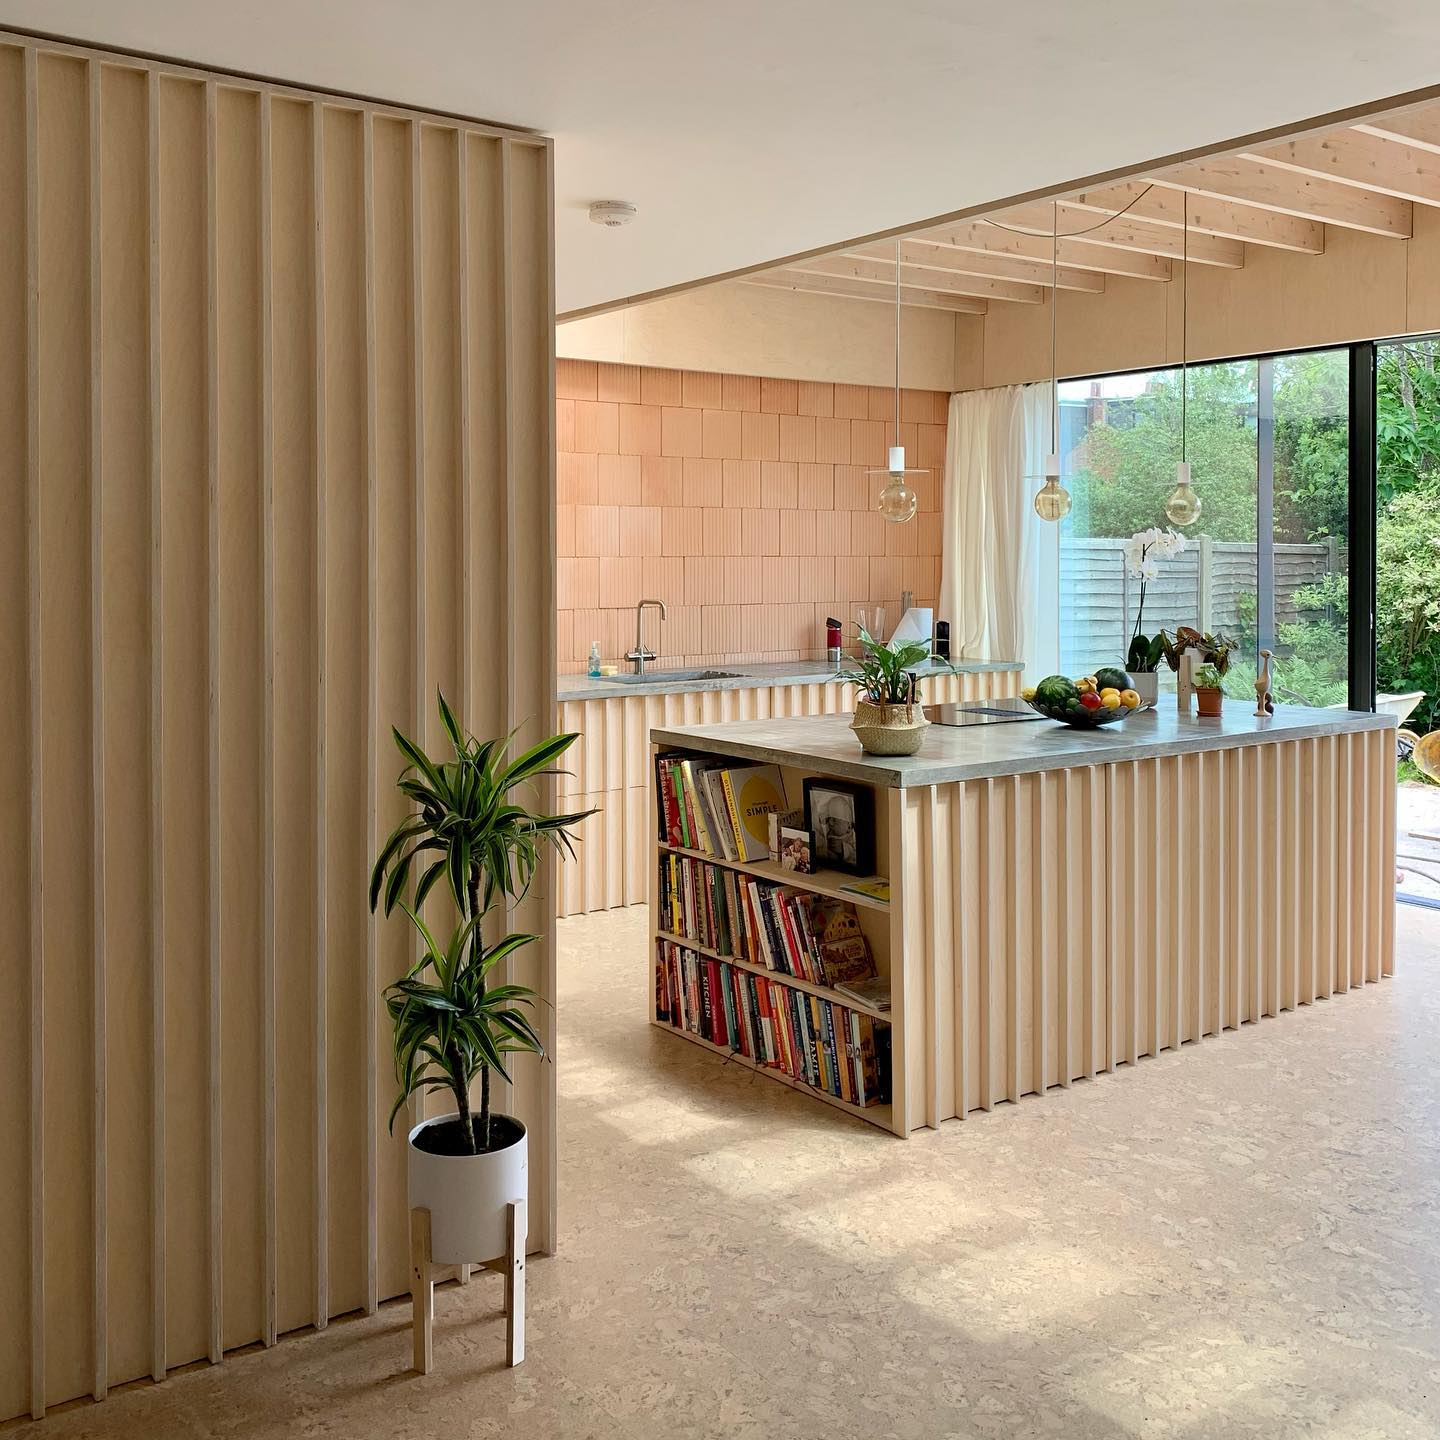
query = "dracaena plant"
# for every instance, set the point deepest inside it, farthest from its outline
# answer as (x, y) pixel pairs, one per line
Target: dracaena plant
(884, 672)
(470, 830)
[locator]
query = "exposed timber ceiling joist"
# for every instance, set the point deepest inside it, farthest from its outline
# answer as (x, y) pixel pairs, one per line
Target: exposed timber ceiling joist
(1366, 176)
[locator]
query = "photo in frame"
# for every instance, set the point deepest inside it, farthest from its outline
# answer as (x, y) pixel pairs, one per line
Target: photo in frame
(841, 822)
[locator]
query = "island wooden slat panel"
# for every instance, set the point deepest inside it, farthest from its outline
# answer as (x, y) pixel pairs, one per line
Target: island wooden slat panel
(286, 408)
(610, 766)
(1059, 924)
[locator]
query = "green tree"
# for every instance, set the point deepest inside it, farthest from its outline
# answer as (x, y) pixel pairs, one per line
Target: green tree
(1124, 470)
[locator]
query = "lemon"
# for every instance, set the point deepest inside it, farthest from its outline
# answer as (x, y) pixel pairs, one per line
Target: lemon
(1110, 690)
(1110, 699)
(1028, 693)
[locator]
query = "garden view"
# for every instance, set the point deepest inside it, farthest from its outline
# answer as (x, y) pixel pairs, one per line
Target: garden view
(1122, 441)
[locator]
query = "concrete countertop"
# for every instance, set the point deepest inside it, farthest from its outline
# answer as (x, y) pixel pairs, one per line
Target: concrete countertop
(747, 677)
(826, 745)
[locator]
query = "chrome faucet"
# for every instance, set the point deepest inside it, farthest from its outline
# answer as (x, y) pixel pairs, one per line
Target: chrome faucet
(639, 655)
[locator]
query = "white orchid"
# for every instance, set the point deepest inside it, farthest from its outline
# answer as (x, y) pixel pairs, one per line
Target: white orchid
(1148, 546)
(1144, 551)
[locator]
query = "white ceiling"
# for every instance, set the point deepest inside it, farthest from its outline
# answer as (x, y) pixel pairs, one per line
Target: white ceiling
(746, 131)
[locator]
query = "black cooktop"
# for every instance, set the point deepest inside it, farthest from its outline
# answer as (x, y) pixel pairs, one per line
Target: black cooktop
(981, 712)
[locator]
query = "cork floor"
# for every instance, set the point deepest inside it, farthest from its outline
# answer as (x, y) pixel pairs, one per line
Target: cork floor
(1240, 1240)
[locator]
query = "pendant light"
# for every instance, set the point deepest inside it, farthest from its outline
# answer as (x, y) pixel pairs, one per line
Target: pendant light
(1183, 507)
(1052, 500)
(897, 501)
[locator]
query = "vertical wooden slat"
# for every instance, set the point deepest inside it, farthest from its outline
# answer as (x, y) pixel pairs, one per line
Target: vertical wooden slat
(99, 1195)
(508, 423)
(214, 868)
(994, 912)
(1181, 836)
(1096, 879)
(1204, 914)
(1270, 847)
(1157, 871)
(1135, 929)
(322, 963)
(270, 939)
(35, 679)
(1117, 922)
(463, 342)
(1043, 952)
(1014, 1085)
(1387, 855)
(156, 743)
(906, 983)
(1295, 832)
(372, 725)
(924, 907)
(1344, 877)
(962, 929)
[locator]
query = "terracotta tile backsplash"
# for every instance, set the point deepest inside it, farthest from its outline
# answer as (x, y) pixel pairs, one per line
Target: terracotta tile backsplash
(739, 500)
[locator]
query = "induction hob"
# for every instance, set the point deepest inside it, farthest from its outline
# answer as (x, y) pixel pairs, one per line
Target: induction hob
(981, 712)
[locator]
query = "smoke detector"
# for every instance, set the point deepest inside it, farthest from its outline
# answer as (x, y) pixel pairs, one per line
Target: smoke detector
(612, 213)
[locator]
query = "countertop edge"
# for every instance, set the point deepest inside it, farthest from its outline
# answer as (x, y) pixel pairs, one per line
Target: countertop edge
(573, 688)
(909, 772)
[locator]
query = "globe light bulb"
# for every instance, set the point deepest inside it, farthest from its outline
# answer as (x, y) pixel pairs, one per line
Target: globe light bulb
(898, 502)
(1052, 500)
(1184, 506)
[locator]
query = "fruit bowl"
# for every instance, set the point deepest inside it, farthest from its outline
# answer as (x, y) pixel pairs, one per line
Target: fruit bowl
(1081, 719)
(1086, 704)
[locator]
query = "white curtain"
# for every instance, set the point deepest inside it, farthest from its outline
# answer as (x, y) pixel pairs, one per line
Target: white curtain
(994, 546)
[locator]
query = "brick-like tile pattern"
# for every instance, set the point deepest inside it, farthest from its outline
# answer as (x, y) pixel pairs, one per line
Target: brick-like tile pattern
(741, 501)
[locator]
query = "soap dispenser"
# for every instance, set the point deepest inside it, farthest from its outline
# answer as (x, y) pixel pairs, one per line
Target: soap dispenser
(594, 659)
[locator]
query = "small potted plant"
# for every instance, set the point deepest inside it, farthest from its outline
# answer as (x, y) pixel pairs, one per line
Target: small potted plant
(471, 837)
(1209, 692)
(888, 717)
(1200, 650)
(1143, 552)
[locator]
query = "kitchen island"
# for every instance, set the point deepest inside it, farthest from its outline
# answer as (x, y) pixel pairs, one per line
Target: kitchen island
(1062, 902)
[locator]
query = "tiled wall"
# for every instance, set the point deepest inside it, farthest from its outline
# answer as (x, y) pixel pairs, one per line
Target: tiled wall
(741, 502)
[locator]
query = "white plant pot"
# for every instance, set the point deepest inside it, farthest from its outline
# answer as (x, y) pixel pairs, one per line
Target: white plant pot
(1147, 687)
(468, 1196)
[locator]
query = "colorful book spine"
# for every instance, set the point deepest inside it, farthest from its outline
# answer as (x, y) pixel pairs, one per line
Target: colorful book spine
(814, 1041)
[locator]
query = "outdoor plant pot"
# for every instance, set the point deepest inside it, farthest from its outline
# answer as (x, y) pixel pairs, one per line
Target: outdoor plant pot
(889, 729)
(468, 1196)
(1146, 686)
(1207, 701)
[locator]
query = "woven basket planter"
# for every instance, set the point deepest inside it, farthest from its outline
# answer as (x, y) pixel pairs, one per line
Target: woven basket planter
(889, 729)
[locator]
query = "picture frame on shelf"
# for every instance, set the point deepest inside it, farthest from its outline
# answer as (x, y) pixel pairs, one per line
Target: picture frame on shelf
(841, 821)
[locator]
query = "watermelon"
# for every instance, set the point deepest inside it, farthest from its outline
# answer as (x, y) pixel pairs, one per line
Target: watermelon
(1056, 692)
(1112, 677)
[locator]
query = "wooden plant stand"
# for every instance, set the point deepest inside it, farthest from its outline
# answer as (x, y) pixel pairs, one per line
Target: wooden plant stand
(424, 1273)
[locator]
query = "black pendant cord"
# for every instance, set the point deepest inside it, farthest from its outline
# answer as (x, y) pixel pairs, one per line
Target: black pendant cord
(1054, 315)
(1184, 317)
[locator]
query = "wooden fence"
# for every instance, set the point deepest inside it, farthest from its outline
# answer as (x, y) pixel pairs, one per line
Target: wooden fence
(1212, 585)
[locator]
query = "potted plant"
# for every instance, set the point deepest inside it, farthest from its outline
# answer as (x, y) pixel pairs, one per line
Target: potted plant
(888, 718)
(1209, 691)
(1143, 552)
(470, 835)
(1191, 650)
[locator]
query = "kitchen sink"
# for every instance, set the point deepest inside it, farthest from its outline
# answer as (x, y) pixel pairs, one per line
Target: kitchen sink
(650, 676)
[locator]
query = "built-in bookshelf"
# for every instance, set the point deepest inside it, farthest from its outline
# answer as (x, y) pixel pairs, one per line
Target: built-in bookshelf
(743, 950)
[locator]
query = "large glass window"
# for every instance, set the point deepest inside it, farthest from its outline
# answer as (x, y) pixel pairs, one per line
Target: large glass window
(1407, 594)
(1264, 565)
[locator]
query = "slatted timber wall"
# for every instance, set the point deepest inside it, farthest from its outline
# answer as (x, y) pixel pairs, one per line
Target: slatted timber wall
(1146, 905)
(610, 768)
(278, 416)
